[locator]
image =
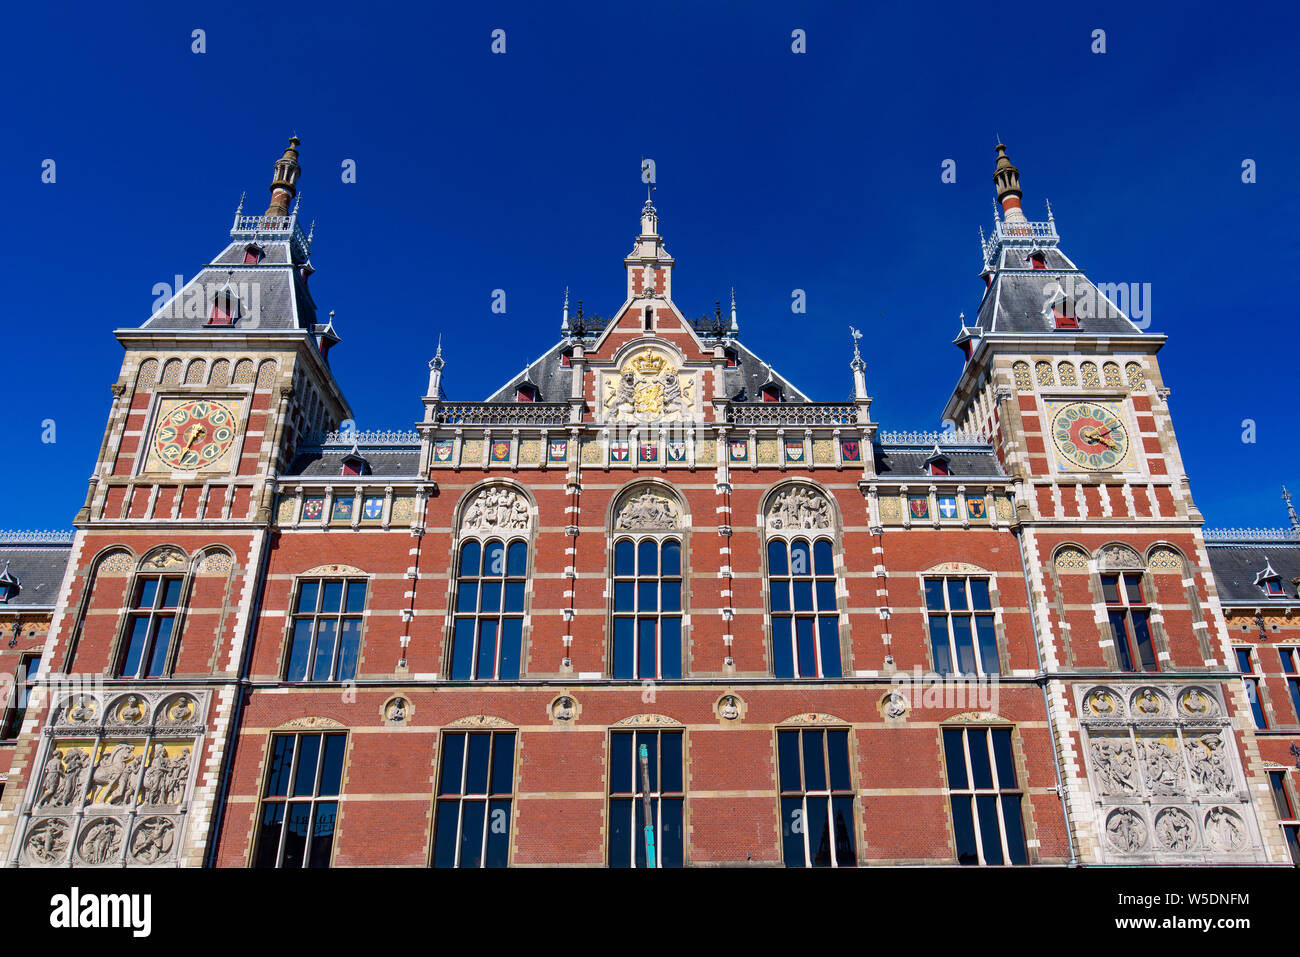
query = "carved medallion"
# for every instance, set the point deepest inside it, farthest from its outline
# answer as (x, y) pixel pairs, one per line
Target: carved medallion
(1102, 703)
(1224, 829)
(397, 710)
(1175, 830)
(729, 707)
(894, 705)
(1198, 704)
(564, 709)
(101, 841)
(153, 840)
(47, 841)
(1126, 830)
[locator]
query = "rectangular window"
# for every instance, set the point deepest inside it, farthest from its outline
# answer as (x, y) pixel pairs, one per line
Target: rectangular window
(816, 798)
(155, 603)
(647, 608)
(487, 636)
(1291, 668)
(1065, 316)
(476, 784)
(986, 817)
(1130, 619)
(1273, 588)
(962, 637)
(804, 609)
(11, 725)
(300, 800)
(627, 834)
(325, 630)
(1286, 813)
(1245, 664)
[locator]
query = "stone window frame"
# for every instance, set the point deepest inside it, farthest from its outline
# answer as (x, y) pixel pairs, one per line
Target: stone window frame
(633, 730)
(459, 536)
(967, 571)
(1027, 825)
(347, 574)
(1254, 679)
(836, 536)
(822, 724)
(299, 729)
(14, 712)
(186, 572)
(613, 535)
(1099, 566)
(489, 726)
(1290, 824)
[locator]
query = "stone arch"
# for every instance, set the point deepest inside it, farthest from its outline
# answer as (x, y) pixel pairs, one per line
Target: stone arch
(266, 374)
(164, 557)
(1167, 559)
(1020, 374)
(171, 374)
(1117, 556)
(496, 506)
(1136, 377)
(114, 560)
(148, 374)
(1043, 373)
(798, 504)
(194, 372)
(647, 505)
(214, 560)
(1088, 375)
(1070, 557)
(243, 374)
(220, 373)
(1066, 372)
(1110, 373)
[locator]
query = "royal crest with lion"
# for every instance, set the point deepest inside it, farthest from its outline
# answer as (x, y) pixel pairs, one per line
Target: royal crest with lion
(647, 389)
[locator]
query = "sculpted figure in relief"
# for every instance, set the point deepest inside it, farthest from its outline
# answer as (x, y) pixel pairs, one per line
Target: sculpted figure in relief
(1162, 767)
(1115, 766)
(647, 510)
(1210, 765)
(497, 508)
(799, 507)
(1126, 831)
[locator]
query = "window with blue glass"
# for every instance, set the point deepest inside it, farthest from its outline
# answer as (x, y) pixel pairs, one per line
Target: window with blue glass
(488, 622)
(1130, 621)
(816, 798)
(986, 799)
(325, 629)
(151, 623)
(300, 802)
(476, 785)
(647, 608)
(804, 609)
(1246, 665)
(13, 716)
(1291, 670)
(963, 640)
(1284, 801)
(627, 790)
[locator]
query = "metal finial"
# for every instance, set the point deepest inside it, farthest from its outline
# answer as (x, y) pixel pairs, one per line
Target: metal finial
(297, 202)
(961, 316)
(1049, 209)
(996, 209)
(310, 233)
(240, 208)
(856, 334)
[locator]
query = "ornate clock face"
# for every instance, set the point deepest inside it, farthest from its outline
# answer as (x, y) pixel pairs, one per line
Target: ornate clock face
(195, 434)
(1090, 436)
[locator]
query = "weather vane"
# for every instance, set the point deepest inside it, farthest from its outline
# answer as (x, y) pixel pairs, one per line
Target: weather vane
(856, 336)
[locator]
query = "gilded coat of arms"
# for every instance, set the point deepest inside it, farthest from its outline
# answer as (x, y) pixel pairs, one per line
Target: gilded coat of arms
(647, 389)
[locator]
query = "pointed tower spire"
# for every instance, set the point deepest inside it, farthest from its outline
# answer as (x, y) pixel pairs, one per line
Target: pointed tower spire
(1290, 510)
(284, 185)
(1007, 179)
(564, 325)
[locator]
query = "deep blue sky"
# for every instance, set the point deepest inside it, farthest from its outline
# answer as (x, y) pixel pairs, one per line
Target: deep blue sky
(776, 171)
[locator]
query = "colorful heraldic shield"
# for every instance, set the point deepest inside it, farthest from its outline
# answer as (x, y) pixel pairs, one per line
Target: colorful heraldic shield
(919, 506)
(442, 450)
(373, 508)
(976, 508)
(618, 450)
(649, 452)
(676, 451)
(342, 510)
(948, 506)
(850, 450)
(500, 450)
(557, 450)
(738, 449)
(793, 451)
(313, 507)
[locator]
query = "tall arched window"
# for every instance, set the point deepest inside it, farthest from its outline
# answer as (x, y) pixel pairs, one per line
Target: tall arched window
(647, 587)
(147, 646)
(801, 578)
(491, 581)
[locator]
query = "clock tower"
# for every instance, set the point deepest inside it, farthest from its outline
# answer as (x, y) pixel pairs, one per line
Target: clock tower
(1133, 647)
(218, 388)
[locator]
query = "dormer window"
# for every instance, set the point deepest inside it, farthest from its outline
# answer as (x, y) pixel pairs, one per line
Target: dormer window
(940, 467)
(1269, 580)
(355, 464)
(1064, 315)
(566, 358)
(225, 308)
(1037, 260)
(733, 359)
(771, 393)
(526, 393)
(253, 255)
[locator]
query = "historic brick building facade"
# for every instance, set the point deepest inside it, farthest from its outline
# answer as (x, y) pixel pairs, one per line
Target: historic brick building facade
(291, 645)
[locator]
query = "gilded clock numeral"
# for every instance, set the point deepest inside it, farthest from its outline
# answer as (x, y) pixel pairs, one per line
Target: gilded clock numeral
(195, 433)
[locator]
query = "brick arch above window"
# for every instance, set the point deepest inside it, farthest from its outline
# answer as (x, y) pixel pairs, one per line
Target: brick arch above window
(1165, 559)
(1070, 558)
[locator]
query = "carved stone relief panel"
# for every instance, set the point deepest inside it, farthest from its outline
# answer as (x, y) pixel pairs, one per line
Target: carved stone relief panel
(114, 779)
(798, 507)
(1166, 780)
(497, 507)
(648, 509)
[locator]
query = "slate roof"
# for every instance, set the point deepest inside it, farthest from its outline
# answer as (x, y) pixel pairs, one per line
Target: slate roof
(554, 380)
(1237, 564)
(398, 461)
(909, 462)
(39, 569)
